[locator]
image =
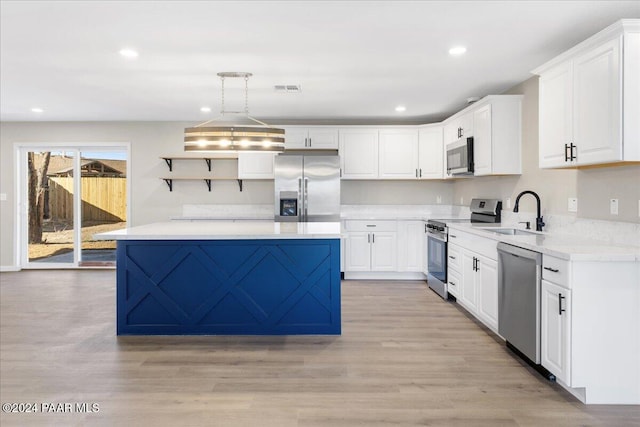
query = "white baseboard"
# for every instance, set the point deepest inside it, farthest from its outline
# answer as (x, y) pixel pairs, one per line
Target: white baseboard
(8, 268)
(383, 275)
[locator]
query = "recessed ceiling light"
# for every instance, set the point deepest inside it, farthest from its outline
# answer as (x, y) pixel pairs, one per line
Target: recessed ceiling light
(205, 109)
(457, 50)
(401, 108)
(129, 53)
(37, 110)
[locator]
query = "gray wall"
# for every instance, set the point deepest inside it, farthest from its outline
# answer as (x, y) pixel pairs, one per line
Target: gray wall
(593, 187)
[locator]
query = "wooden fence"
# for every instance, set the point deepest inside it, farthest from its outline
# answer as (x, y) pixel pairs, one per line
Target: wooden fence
(103, 198)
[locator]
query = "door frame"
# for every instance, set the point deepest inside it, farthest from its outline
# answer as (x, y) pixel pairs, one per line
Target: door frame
(20, 150)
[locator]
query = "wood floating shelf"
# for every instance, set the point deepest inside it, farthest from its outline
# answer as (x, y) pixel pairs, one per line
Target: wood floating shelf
(207, 180)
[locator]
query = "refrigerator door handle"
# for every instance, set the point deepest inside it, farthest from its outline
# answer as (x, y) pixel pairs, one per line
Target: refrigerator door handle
(306, 198)
(300, 200)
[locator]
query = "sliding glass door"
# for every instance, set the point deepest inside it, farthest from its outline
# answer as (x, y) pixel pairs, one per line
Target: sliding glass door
(68, 195)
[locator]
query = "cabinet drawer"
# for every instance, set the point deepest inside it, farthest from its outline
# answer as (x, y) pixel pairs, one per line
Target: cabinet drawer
(377, 225)
(478, 244)
(556, 270)
(454, 283)
(454, 257)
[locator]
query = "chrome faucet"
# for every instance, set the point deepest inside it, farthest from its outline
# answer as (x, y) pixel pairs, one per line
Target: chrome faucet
(539, 221)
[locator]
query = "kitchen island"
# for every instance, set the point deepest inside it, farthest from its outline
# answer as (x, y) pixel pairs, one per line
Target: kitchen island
(228, 277)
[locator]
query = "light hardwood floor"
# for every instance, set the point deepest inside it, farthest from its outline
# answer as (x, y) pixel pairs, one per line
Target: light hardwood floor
(405, 357)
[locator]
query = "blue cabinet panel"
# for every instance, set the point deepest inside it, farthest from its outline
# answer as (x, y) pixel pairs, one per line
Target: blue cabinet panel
(244, 287)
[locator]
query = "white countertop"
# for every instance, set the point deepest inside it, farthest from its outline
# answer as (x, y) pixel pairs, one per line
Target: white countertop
(567, 247)
(225, 230)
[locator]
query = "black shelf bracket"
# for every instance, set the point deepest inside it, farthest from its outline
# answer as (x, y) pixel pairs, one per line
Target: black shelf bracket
(208, 163)
(169, 182)
(169, 163)
(240, 184)
(208, 182)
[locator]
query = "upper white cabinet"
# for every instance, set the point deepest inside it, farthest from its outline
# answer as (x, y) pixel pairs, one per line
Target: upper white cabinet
(255, 165)
(590, 101)
(398, 154)
(359, 153)
(430, 153)
(315, 138)
(497, 135)
(495, 122)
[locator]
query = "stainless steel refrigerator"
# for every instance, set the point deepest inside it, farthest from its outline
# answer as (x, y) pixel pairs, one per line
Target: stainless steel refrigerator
(307, 188)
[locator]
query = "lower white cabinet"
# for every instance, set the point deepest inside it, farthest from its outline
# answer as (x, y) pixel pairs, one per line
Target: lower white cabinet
(255, 165)
(371, 251)
(555, 322)
(410, 245)
(473, 276)
(371, 246)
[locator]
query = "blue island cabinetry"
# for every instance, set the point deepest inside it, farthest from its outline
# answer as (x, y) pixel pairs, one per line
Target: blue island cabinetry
(232, 287)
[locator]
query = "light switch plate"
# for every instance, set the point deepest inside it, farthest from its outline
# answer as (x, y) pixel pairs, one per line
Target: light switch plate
(3, 197)
(508, 202)
(462, 200)
(613, 206)
(438, 199)
(572, 205)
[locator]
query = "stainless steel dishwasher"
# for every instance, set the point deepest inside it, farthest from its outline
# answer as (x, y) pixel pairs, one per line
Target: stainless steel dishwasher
(519, 277)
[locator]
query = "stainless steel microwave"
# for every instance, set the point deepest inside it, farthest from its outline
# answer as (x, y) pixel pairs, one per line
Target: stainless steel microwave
(460, 157)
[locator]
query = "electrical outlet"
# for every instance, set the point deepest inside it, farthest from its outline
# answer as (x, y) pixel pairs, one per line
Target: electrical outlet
(508, 203)
(572, 204)
(613, 206)
(438, 199)
(462, 200)
(3, 197)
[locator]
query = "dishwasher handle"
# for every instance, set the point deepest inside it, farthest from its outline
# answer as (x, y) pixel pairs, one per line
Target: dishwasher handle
(520, 252)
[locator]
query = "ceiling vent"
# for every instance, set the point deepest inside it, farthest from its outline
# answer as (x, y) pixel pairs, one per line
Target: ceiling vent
(287, 88)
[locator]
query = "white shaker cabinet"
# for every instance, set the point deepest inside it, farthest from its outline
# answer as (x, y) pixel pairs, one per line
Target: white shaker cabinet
(555, 318)
(410, 245)
(430, 153)
(315, 138)
(497, 135)
(255, 165)
(359, 153)
(371, 246)
(398, 154)
(590, 100)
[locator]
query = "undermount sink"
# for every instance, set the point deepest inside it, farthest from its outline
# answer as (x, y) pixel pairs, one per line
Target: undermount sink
(513, 231)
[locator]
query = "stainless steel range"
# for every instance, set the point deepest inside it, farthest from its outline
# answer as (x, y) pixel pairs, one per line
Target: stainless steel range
(482, 210)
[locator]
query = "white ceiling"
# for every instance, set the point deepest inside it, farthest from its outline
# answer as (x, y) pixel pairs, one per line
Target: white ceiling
(355, 60)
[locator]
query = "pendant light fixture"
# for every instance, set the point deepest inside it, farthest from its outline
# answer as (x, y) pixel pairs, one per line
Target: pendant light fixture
(239, 133)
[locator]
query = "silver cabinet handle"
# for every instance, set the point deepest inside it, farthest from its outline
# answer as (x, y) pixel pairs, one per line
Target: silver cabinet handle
(416, 173)
(420, 172)
(553, 270)
(453, 236)
(371, 225)
(452, 257)
(560, 309)
(373, 237)
(368, 237)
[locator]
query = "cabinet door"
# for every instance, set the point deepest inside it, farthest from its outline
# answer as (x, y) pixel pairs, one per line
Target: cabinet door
(466, 125)
(295, 138)
(469, 297)
(430, 156)
(597, 102)
(410, 241)
(255, 165)
(359, 153)
(487, 282)
(398, 154)
(555, 334)
(323, 138)
(450, 132)
(482, 148)
(425, 249)
(383, 251)
(358, 252)
(555, 116)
